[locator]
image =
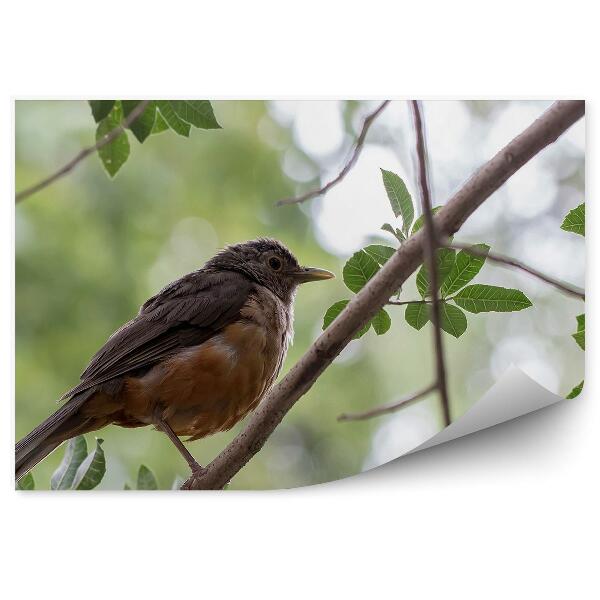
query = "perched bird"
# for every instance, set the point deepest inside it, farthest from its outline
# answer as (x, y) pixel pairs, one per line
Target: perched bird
(195, 360)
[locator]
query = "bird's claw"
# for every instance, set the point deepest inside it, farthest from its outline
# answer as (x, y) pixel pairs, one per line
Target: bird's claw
(197, 473)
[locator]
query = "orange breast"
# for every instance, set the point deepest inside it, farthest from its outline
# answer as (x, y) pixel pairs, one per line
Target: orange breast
(206, 388)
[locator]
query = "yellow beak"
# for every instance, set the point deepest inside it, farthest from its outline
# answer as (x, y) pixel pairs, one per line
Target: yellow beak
(311, 274)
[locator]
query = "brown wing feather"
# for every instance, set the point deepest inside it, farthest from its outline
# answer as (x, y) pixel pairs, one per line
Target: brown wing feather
(185, 313)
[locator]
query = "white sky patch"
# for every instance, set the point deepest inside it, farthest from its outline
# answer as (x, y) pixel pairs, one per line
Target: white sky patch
(448, 127)
(296, 167)
(530, 192)
(501, 325)
(529, 354)
(511, 121)
(395, 115)
(400, 433)
(479, 382)
(358, 206)
(549, 249)
(318, 126)
(576, 135)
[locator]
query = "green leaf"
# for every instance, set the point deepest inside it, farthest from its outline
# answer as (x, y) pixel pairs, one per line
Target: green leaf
(490, 298)
(160, 124)
(445, 261)
(101, 108)
(126, 487)
(359, 268)
(146, 479)
(91, 470)
(575, 391)
(422, 281)
(197, 112)
(381, 322)
(334, 310)
(170, 116)
(394, 231)
(579, 335)
(144, 124)
(75, 454)
(114, 154)
(452, 319)
(421, 220)
(575, 220)
(399, 198)
(25, 483)
(417, 314)
(379, 252)
(465, 267)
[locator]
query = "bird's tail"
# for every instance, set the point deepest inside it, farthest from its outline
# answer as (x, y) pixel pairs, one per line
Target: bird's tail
(65, 423)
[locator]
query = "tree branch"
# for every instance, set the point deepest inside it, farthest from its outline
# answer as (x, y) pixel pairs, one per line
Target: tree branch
(430, 246)
(567, 288)
(107, 139)
(358, 146)
(363, 306)
(388, 408)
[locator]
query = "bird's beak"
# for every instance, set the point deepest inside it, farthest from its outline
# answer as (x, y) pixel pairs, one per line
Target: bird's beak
(305, 274)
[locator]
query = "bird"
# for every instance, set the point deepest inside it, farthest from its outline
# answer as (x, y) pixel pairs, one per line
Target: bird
(195, 360)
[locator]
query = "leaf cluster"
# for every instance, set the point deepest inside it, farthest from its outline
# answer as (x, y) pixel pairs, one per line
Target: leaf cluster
(78, 470)
(455, 271)
(158, 116)
(575, 223)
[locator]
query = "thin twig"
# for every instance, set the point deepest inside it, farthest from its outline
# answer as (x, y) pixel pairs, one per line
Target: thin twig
(403, 302)
(364, 305)
(107, 139)
(358, 146)
(430, 246)
(388, 408)
(567, 288)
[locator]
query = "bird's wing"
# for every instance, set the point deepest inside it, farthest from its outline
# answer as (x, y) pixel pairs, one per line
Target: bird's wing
(185, 313)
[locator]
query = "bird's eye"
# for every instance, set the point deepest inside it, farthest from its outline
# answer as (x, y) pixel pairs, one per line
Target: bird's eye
(275, 263)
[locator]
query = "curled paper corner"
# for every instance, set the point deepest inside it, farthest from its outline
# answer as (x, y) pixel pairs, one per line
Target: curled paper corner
(513, 395)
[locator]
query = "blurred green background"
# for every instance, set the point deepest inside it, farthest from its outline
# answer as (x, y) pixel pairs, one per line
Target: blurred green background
(90, 250)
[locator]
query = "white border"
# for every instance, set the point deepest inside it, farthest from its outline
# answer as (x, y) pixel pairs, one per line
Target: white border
(508, 513)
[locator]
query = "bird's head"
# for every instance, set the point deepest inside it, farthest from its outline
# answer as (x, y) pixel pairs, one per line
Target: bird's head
(269, 263)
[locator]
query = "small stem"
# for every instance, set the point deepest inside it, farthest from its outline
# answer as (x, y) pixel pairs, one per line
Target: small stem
(567, 288)
(360, 140)
(430, 245)
(388, 408)
(395, 303)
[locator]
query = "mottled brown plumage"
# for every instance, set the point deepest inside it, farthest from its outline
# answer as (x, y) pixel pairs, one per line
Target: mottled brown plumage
(195, 360)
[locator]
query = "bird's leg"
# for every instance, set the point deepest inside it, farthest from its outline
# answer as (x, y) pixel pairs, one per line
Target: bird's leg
(165, 428)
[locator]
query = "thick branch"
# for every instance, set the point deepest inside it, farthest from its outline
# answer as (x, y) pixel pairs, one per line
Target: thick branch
(567, 288)
(107, 139)
(430, 246)
(358, 146)
(545, 130)
(388, 408)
